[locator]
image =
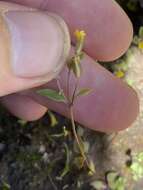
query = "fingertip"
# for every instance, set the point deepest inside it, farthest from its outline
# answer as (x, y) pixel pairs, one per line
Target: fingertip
(109, 30)
(23, 107)
(111, 35)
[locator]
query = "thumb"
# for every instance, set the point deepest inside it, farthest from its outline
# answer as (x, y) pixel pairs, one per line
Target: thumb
(34, 46)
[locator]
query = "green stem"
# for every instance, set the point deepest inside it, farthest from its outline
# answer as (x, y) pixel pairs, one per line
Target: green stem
(68, 85)
(76, 137)
(61, 90)
(74, 92)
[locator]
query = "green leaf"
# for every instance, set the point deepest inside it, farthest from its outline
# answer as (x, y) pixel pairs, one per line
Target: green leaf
(92, 169)
(115, 181)
(5, 186)
(53, 119)
(99, 185)
(84, 92)
(137, 170)
(67, 163)
(140, 157)
(111, 178)
(141, 32)
(52, 95)
(22, 122)
(136, 40)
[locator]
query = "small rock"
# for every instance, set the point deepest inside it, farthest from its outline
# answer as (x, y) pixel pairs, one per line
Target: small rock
(45, 157)
(42, 149)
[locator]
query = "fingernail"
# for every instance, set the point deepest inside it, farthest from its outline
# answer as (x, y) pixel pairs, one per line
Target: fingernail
(40, 43)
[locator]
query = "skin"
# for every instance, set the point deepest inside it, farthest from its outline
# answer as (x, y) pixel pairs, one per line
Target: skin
(114, 105)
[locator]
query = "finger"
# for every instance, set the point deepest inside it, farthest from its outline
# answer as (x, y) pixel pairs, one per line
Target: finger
(33, 47)
(109, 31)
(23, 107)
(111, 106)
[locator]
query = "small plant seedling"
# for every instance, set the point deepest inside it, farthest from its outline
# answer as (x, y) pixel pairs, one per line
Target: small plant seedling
(74, 66)
(53, 119)
(138, 40)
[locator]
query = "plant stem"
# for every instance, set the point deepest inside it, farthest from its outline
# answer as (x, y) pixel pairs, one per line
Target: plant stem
(74, 92)
(76, 137)
(68, 85)
(61, 90)
(59, 86)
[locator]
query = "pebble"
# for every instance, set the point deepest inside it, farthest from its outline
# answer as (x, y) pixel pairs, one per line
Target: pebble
(45, 157)
(42, 149)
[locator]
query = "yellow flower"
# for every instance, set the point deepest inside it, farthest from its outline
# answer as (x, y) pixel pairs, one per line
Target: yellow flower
(119, 74)
(80, 35)
(140, 45)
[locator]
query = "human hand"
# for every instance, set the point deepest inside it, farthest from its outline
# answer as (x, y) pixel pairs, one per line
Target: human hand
(113, 106)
